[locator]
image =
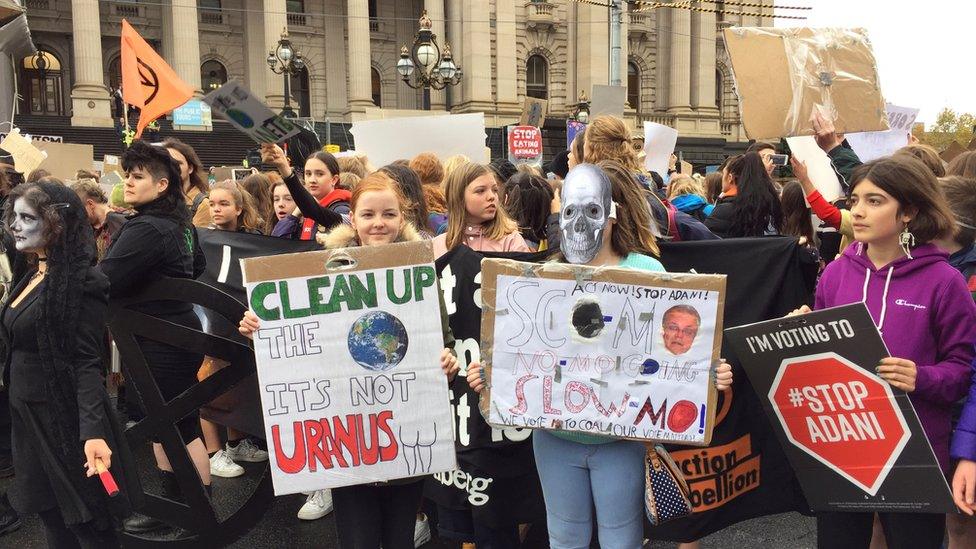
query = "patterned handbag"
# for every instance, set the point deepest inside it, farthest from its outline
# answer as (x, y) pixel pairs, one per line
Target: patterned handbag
(665, 490)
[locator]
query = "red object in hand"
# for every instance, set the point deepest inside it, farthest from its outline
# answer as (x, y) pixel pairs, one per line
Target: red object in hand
(108, 481)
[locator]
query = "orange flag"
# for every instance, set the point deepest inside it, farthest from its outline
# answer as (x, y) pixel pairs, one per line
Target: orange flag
(147, 81)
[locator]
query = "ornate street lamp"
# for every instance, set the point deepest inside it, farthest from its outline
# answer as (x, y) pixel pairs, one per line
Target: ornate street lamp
(421, 62)
(582, 111)
(287, 61)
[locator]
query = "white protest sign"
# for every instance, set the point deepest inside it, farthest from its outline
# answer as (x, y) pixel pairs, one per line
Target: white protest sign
(348, 364)
(26, 156)
(819, 169)
(659, 142)
(872, 145)
(386, 140)
(248, 114)
(614, 351)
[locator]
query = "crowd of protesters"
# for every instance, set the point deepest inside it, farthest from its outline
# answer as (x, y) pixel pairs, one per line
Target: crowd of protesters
(904, 229)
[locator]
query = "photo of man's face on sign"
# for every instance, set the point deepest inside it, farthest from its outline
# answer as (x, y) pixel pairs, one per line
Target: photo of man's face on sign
(679, 328)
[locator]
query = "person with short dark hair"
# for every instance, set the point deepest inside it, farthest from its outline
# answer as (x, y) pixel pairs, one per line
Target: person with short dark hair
(925, 315)
(160, 241)
(559, 165)
(766, 152)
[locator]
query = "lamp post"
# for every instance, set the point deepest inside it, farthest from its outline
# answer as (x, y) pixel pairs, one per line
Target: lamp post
(287, 61)
(421, 62)
(582, 111)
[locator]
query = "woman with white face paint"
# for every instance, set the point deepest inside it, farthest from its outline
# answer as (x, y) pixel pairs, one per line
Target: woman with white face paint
(604, 222)
(63, 427)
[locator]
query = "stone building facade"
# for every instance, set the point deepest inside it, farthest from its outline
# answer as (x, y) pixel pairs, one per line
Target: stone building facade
(672, 60)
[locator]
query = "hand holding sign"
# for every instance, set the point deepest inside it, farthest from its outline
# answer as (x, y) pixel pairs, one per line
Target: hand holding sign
(824, 132)
(898, 372)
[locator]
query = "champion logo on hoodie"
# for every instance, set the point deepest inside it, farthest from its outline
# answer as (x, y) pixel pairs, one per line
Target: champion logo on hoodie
(904, 303)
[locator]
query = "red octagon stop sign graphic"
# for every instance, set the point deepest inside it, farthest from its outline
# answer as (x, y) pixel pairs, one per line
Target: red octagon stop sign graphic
(841, 415)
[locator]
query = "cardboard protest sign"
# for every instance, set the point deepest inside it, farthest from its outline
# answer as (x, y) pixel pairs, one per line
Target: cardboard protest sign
(854, 441)
(953, 150)
(524, 145)
(783, 74)
(33, 137)
(686, 168)
(111, 163)
(386, 140)
(819, 169)
(610, 351)
(872, 145)
(659, 142)
(348, 366)
(573, 127)
(534, 112)
(248, 114)
(608, 100)
(27, 157)
(63, 160)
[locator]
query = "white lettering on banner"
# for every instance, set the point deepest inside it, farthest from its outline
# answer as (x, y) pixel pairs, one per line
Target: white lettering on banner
(802, 335)
(474, 486)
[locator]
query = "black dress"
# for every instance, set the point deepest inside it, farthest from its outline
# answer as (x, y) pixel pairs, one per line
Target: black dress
(45, 477)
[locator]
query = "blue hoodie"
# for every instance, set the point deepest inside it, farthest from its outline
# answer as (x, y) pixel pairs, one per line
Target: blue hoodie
(692, 203)
(925, 314)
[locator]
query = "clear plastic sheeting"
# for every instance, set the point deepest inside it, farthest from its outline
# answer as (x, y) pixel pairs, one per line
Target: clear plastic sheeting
(784, 76)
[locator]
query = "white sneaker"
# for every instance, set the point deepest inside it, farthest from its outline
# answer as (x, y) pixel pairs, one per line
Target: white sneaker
(246, 451)
(222, 466)
(421, 531)
(318, 504)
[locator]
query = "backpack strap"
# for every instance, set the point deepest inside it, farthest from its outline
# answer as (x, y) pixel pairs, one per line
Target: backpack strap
(197, 200)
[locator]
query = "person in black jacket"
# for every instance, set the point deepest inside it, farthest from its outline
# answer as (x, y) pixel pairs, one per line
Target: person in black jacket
(749, 205)
(159, 241)
(320, 202)
(52, 325)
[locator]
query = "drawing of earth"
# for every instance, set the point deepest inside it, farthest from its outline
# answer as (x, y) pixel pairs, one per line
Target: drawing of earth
(377, 341)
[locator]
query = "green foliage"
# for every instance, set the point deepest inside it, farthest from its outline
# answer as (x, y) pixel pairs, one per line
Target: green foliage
(949, 126)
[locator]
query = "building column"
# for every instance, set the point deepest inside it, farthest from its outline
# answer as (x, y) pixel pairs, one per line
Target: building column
(166, 32)
(455, 39)
(625, 46)
(506, 59)
(90, 105)
(476, 64)
(275, 21)
(679, 96)
(593, 47)
(703, 61)
(186, 56)
(255, 53)
(358, 60)
(435, 11)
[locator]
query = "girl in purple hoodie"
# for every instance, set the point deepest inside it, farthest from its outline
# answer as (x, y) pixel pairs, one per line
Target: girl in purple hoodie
(923, 310)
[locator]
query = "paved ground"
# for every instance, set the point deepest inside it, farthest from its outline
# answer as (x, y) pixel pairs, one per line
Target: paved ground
(280, 529)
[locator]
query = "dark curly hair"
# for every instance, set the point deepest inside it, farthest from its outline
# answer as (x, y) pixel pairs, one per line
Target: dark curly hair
(70, 251)
(157, 161)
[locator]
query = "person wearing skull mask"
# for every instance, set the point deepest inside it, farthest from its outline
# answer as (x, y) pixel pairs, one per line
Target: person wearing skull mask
(62, 420)
(603, 223)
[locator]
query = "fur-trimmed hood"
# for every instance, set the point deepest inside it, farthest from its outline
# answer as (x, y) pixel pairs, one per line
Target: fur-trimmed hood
(344, 236)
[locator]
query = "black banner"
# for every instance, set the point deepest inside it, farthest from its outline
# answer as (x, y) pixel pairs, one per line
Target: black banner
(744, 473)
(855, 442)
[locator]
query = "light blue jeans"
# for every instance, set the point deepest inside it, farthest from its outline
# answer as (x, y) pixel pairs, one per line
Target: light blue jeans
(576, 476)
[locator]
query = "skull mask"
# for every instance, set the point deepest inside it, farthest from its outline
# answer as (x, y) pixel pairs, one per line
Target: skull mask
(586, 208)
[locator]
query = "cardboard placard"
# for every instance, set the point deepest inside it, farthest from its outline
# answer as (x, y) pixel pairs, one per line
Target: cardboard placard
(686, 168)
(27, 157)
(32, 137)
(854, 441)
(819, 169)
(534, 112)
(608, 100)
(247, 113)
(783, 74)
(609, 351)
(65, 159)
(524, 145)
(659, 142)
(386, 140)
(111, 163)
(872, 145)
(348, 364)
(953, 150)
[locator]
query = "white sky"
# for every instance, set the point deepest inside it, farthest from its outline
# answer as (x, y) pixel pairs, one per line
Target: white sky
(923, 47)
